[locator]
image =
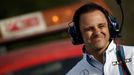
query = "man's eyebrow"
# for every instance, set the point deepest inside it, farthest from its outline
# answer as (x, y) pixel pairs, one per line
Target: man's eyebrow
(103, 24)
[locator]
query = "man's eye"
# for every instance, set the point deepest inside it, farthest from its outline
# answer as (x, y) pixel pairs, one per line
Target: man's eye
(101, 26)
(87, 29)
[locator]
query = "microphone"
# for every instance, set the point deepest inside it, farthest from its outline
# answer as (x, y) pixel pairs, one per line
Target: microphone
(122, 20)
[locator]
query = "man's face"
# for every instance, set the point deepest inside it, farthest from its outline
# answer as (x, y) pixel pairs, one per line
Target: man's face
(94, 29)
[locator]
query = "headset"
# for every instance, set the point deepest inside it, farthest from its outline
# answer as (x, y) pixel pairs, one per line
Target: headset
(74, 30)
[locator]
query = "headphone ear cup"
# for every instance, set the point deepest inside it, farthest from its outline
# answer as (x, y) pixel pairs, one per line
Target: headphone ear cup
(113, 27)
(75, 36)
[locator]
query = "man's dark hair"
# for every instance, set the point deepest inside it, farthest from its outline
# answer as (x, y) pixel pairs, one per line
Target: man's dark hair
(90, 7)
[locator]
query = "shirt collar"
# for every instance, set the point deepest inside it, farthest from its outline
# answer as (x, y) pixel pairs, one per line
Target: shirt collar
(111, 47)
(93, 62)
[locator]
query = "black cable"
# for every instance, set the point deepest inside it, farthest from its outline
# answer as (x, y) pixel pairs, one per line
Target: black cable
(122, 19)
(122, 13)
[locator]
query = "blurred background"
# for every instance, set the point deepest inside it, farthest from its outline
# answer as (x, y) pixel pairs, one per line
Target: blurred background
(34, 38)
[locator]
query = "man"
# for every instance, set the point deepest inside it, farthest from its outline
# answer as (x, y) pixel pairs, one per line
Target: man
(94, 27)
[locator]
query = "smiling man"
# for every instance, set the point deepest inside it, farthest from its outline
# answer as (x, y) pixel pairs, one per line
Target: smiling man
(95, 32)
(96, 29)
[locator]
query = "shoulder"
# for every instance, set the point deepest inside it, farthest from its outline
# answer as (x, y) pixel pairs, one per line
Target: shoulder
(77, 68)
(129, 50)
(128, 46)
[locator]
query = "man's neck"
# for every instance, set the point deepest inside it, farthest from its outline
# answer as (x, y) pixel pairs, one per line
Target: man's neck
(97, 53)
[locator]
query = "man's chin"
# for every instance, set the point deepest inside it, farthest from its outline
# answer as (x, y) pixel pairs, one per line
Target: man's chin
(99, 44)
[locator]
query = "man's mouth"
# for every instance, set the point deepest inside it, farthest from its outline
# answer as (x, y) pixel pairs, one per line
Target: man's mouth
(97, 39)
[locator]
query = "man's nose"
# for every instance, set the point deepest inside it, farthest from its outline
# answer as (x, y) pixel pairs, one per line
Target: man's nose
(96, 31)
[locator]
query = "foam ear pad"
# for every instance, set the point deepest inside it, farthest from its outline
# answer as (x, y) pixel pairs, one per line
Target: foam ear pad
(75, 36)
(113, 27)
